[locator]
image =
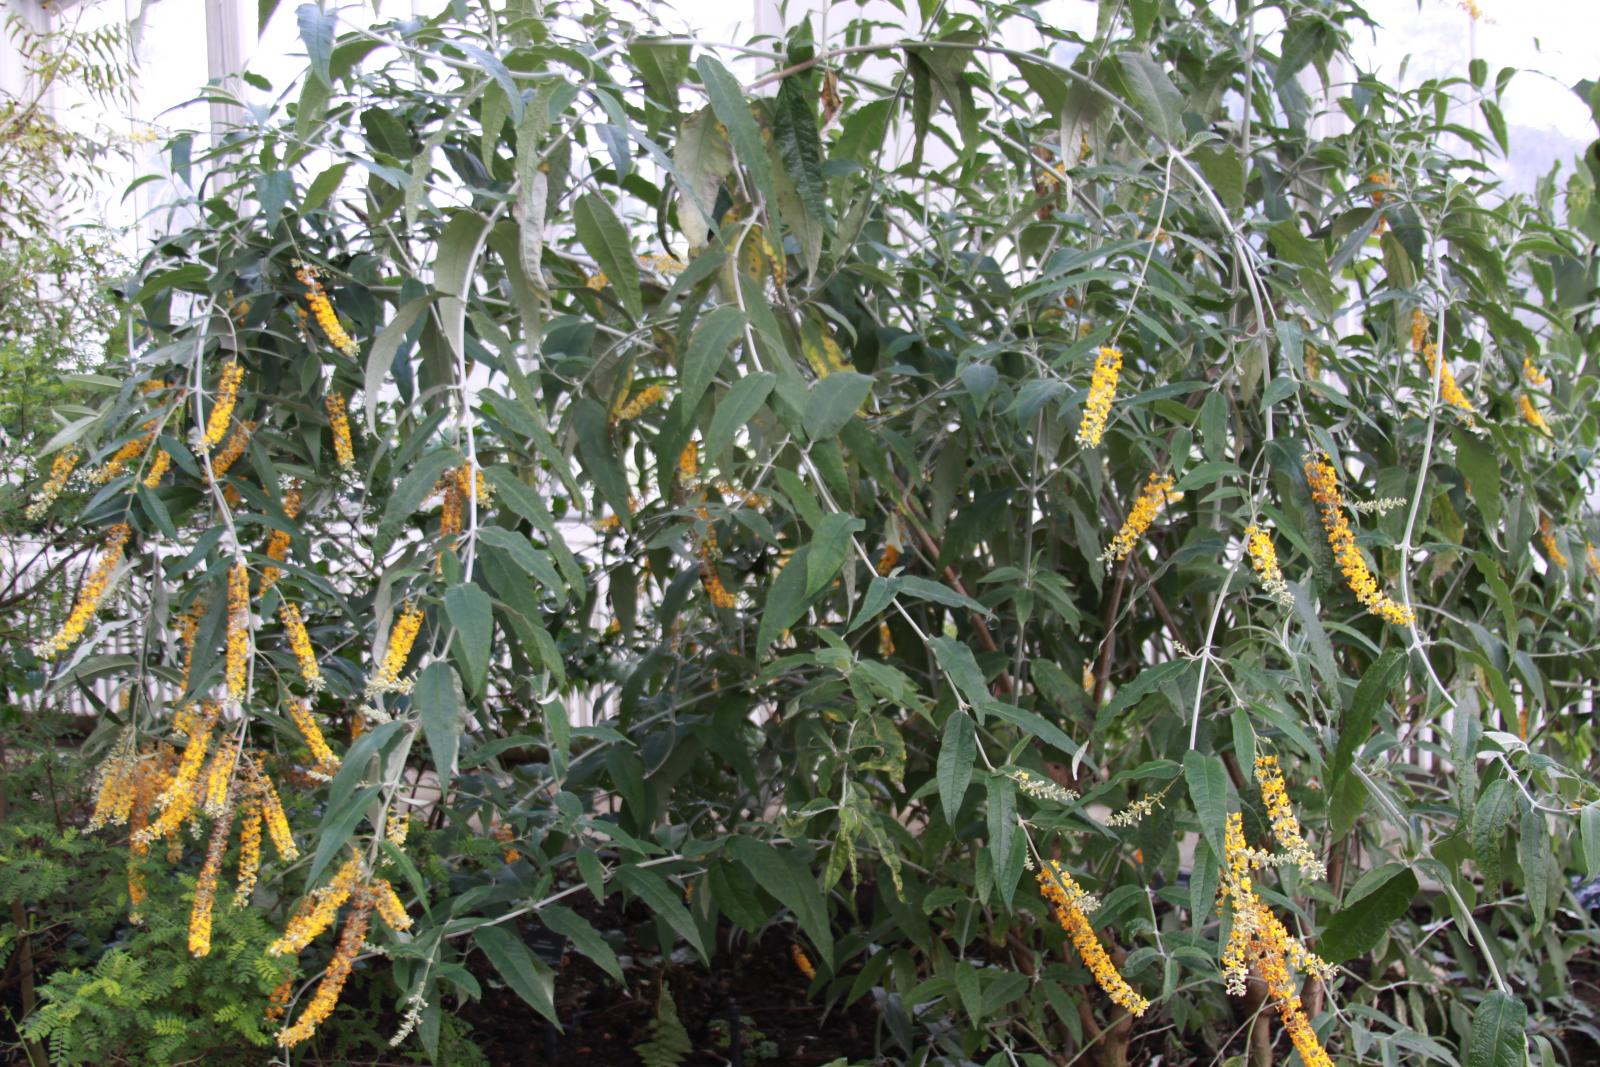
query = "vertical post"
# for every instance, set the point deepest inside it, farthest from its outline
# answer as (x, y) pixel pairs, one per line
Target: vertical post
(224, 61)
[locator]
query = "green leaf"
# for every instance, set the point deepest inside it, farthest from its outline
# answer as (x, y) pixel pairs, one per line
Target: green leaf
(1533, 856)
(707, 350)
(833, 401)
(316, 32)
(958, 751)
(788, 877)
(408, 496)
(736, 408)
(1034, 724)
(957, 662)
(338, 824)
(1497, 1035)
(923, 589)
(1002, 813)
(437, 703)
(599, 458)
(1152, 94)
(584, 937)
(380, 358)
(525, 973)
(800, 147)
(603, 236)
(733, 110)
(1589, 825)
(1208, 791)
(703, 158)
(1489, 820)
(1359, 926)
(1370, 695)
(786, 600)
(662, 65)
(1480, 466)
(653, 890)
(471, 612)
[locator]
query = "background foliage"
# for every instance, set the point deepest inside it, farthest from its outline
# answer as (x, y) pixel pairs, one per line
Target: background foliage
(783, 600)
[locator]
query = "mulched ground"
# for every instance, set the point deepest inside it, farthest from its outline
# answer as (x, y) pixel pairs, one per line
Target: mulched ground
(753, 981)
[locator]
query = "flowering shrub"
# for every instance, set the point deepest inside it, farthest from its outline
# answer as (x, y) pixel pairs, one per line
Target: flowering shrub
(700, 478)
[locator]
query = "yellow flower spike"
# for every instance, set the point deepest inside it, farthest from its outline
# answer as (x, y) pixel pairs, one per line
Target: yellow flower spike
(1531, 414)
(238, 658)
(249, 850)
(300, 712)
(300, 642)
(1591, 558)
(1102, 390)
(885, 641)
(1449, 391)
(1285, 826)
(1547, 537)
(277, 822)
(401, 637)
(205, 890)
(222, 403)
(1324, 482)
(344, 449)
(887, 561)
(326, 997)
(176, 801)
(158, 468)
(232, 449)
(802, 962)
(1071, 904)
(278, 1001)
(279, 540)
(397, 828)
(647, 398)
(89, 597)
(322, 310)
(689, 463)
(317, 910)
(219, 778)
(715, 590)
(1532, 374)
(1155, 495)
(390, 908)
(116, 782)
(61, 469)
(1264, 559)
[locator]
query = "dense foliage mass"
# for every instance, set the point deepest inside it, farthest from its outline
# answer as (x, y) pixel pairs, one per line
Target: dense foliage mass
(811, 487)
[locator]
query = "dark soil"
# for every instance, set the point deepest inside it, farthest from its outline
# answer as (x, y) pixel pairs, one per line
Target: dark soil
(753, 980)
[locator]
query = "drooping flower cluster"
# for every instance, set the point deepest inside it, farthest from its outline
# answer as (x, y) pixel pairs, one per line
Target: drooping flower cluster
(1532, 374)
(1531, 414)
(300, 712)
(315, 914)
(1380, 179)
(647, 398)
(322, 310)
(61, 469)
(1437, 368)
(249, 849)
(401, 637)
(205, 890)
(459, 488)
(238, 657)
(1324, 482)
(1285, 826)
(1042, 788)
(1264, 559)
(802, 962)
(1547, 538)
(1102, 390)
(231, 449)
(90, 596)
(116, 783)
(278, 541)
(1260, 944)
(1155, 495)
(344, 449)
(1592, 558)
(1136, 812)
(222, 403)
(1071, 906)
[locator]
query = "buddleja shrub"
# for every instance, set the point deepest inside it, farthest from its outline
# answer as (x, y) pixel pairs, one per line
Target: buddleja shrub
(831, 480)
